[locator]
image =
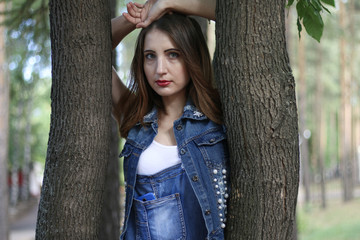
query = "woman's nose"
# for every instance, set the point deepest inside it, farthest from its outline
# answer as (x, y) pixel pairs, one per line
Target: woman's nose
(161, 66)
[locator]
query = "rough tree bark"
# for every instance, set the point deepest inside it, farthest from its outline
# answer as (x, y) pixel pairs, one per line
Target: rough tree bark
(258, 93)
(4, 135)
(79, 139)
(110, 216)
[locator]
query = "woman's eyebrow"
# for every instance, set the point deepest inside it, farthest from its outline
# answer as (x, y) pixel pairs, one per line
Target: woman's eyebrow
(148, 50)
(172, 49)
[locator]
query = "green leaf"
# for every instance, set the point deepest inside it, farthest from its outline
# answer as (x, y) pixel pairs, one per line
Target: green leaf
(309, 15)
(301, 9)
(313, 24)
(298, 23)
(325, 8)
(290, 2)
(329, 2)
(316, 4)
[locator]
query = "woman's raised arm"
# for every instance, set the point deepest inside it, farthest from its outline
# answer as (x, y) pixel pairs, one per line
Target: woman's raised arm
(144, 14)
(120, 27)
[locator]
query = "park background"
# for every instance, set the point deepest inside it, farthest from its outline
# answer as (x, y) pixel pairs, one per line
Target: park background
(328, 94)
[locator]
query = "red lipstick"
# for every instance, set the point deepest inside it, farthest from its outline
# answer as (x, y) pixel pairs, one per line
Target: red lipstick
(162, 83)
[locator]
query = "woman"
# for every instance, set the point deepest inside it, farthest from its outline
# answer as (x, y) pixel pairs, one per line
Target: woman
(175, 155)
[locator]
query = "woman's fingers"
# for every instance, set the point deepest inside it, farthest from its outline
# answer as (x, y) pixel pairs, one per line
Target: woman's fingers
(139, 5)
(133, 13)
(130, 18)
(144, 14)
(133, 10)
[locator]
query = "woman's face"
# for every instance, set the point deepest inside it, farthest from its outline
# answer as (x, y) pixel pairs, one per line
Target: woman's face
(164, 66)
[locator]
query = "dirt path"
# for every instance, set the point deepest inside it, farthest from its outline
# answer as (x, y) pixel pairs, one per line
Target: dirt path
(24, 224)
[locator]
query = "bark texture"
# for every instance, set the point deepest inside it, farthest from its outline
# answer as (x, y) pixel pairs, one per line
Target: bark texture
(79, 140)
(110, 216)
(110, 219)
(258, 93)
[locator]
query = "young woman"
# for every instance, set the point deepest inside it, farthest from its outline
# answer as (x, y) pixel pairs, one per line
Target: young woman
(175, 155)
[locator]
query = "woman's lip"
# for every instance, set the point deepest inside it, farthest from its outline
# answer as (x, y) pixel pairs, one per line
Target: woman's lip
(162, 83)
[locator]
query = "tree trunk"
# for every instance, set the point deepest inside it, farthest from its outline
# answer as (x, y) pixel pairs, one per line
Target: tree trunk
(321, 160)
(258, 94)
(345, 117)
(79, 139)
(110, 216)
(319, 138)
(357, 143)
(304, 142)
(4, 134)
(25, 187)
(355, 107)
(15, 159)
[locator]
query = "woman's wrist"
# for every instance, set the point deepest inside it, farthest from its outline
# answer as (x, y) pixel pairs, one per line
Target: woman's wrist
(120, 27)
(202, 8)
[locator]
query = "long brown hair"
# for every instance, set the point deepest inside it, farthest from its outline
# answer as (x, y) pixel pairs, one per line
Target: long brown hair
(187, 35)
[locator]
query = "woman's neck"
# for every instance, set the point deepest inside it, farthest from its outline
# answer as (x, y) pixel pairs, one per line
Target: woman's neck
(173, 107)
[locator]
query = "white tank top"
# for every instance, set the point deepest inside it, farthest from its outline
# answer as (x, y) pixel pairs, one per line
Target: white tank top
(157, 157)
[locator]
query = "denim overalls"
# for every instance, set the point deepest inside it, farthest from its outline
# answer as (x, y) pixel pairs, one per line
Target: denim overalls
(200, 182)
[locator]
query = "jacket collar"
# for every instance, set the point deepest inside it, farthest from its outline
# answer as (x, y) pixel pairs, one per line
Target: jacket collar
(190, 112)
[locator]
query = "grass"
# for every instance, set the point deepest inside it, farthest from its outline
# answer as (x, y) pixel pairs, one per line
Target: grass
(339, 221)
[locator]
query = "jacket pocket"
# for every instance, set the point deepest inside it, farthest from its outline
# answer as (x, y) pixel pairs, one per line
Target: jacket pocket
(161, 218)
(213, 148)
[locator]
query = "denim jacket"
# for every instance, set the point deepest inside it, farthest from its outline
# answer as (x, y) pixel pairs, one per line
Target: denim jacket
(203, 151)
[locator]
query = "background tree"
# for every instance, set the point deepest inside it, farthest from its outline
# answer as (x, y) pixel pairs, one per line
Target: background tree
(345, 111)
(258, 94)
(27, 53)
(355, 89)
(319, 140)
(303, 131)
(79, 140)
(4, 130)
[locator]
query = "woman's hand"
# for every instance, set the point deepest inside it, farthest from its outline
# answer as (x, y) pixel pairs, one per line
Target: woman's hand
(144, 14)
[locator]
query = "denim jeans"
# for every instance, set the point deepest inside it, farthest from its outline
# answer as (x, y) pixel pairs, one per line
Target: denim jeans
(173, 214)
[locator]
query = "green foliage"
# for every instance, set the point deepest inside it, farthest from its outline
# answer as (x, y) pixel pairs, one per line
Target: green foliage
(309, 14)
(28, 57)
(28, 16)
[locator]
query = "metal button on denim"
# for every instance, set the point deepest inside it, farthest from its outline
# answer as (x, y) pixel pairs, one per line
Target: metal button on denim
(195, 178)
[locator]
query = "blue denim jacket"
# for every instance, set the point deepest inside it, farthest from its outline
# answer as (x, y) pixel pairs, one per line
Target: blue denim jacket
(203, 150)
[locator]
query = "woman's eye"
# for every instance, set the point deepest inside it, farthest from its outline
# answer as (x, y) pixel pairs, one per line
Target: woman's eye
(173, 55)
(149, 56)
